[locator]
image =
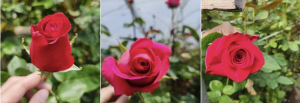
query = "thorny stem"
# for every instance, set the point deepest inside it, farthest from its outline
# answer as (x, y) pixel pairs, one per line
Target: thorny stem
(172, 32)
(141, 96)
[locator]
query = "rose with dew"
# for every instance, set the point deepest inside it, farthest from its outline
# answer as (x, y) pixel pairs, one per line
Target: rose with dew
(234, 56)
(50, 49)
(139, 69)
(173, 3)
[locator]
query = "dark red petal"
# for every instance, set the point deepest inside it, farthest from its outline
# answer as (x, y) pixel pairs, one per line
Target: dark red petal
(259, 60)
(235, 74)
(52, 57)
(253, 37)
(210, 53)
(226, 41)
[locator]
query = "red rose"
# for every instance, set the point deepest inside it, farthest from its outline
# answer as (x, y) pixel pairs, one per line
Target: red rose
(50, 49)
(139, 68)
(234, 56)
(173, 3)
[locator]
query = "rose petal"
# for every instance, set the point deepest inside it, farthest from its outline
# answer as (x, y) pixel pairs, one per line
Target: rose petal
(210, 56)
(259, 58)
(253, 37)
(120, 85)
(235, 74)
(165, 65)
(161, 50)
(226, 41)
(41, 51)
(140, 43)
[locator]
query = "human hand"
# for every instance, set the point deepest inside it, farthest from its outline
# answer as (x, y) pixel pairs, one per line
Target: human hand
(17, 87)
(108, 95)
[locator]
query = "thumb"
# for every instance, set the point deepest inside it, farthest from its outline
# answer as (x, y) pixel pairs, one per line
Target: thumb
(40, 97)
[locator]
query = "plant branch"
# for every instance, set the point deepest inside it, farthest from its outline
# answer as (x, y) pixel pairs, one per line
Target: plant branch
(141, 96)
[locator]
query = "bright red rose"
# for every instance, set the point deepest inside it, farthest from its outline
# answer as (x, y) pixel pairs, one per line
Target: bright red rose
(173, 3)
(139, 69)
(234, 56)
(50, 49)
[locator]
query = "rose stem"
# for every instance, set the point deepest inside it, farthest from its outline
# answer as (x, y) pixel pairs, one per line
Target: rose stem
(141, 96)
(51, 92)
(227, 81)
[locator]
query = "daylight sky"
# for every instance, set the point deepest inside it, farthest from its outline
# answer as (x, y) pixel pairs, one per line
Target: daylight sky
(115, 13)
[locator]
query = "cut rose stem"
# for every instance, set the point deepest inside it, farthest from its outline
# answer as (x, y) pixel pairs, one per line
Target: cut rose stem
(141, 96)
(51, 92)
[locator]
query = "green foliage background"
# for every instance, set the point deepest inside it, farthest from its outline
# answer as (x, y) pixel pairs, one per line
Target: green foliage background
(278, 19)
(75, 86)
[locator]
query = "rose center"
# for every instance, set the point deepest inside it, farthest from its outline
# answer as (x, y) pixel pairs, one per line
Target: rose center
(239, 56)
(141, 65)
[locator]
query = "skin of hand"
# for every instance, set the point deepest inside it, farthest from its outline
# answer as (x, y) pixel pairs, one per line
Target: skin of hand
(225, 29)
(17, 87)
(107, 94)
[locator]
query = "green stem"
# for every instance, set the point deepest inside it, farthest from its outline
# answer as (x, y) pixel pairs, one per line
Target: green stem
(141, 96)
(227, 81)
(55, 96)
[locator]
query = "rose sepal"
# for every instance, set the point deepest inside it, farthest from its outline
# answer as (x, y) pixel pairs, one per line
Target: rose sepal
(122, 47)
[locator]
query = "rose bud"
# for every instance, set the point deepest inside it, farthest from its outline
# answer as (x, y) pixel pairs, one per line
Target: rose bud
(50, 49)
(173, 3)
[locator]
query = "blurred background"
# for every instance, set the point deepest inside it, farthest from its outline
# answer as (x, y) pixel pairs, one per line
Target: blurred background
(84, 15)
(277, 23)
(178, 27)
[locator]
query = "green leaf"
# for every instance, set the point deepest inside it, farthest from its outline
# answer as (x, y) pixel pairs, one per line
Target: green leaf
(72, 68)
(280, 94)
(51, 99)
(272, 83)
(48, 4)
(122, 47)
(209, 39)
(284, 80)
(214, 96)
(228, 89)
(270, 63)
(97, 99)
(216, 85)
(70, 90)
(20, 7)
(91, 82)
(280, 59)
(63, 76)
(274, 75)
(31, 67)
(225, 99)
(294, 47)
(263, 14)
(239, 86)
(104, 30)
(244, 98)
(74, 13)
(14, 64)
(193, 32)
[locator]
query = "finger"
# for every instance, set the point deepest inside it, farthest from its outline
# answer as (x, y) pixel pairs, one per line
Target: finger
(9, 82)
(29, 94)
(16, 91)
(44, 85)
(122, 99)
(106, 93)
(40, 97)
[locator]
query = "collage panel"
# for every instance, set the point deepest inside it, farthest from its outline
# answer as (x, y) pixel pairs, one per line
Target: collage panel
(50, 51)
(250, 51)
(150, 51)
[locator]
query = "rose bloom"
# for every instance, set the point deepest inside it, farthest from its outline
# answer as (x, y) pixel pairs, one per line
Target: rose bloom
(139, 69)
(50, 49)
(234, 56)
(173, 3)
